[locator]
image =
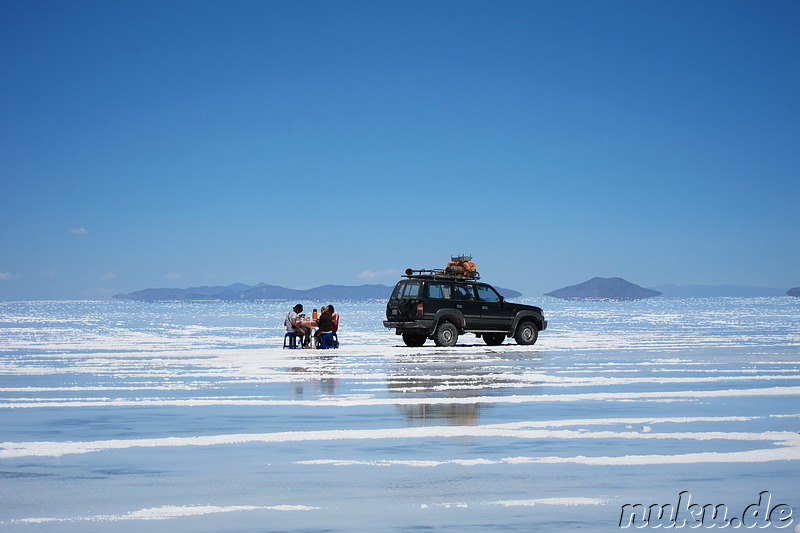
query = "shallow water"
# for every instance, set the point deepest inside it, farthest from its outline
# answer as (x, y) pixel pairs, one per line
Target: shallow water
(191, 417)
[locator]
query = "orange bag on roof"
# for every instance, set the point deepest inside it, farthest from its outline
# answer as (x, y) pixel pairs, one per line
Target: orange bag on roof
(462, 268)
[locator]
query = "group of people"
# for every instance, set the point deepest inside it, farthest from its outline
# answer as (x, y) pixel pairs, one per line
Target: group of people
(327, 322)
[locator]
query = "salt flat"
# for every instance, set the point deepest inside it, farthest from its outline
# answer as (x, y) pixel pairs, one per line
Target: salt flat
(191, 417)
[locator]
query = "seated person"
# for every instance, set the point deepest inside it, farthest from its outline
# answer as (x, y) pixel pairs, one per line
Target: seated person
(324, 323)
(292, 324)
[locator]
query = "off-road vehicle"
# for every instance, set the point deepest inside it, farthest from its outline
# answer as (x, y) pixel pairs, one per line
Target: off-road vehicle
(443, 304)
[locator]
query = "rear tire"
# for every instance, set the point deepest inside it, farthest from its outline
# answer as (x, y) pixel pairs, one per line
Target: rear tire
(446, 334)
(493, 339)
(526, 334)
(414, 340)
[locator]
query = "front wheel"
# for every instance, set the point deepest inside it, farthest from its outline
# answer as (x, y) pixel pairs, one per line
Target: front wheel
(414, 340)
(446, 334)
(526, 333)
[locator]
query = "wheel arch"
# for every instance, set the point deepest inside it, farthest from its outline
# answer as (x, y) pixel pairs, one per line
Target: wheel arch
(523, 316)
(451, 315)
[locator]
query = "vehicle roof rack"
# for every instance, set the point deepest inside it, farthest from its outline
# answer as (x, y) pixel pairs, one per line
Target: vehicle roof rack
(439, 273)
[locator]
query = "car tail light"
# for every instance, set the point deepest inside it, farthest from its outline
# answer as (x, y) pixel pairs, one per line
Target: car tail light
(419, 309)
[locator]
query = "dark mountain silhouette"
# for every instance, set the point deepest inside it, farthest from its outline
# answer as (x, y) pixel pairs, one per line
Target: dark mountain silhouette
(604, 288)
(794, 291)
(263, 291)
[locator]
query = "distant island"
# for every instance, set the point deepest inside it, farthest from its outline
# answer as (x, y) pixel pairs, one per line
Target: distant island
(604, 288)
(617, 288)
(263, 291)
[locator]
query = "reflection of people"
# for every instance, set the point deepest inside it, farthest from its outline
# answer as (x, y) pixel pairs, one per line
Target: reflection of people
(324, 323)
(292, 323)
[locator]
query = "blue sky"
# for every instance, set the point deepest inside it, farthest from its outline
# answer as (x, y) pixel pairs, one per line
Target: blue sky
(181, 143)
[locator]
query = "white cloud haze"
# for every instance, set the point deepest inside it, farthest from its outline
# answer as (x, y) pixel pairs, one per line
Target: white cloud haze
(373, 274)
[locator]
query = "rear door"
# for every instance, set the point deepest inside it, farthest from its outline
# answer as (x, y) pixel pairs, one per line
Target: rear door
(440, 296)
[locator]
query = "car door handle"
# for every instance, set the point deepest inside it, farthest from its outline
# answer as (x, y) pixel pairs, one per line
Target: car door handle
(485, 307)
(458, 306)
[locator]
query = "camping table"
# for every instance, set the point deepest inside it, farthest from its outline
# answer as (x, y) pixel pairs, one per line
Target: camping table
(308, 324)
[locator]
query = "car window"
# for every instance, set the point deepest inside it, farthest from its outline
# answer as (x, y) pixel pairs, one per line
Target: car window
(440, 291)
(407, 289)
(487, 294)
(464, 292)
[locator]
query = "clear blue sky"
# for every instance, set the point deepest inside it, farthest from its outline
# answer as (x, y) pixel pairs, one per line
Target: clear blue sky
(300, 143)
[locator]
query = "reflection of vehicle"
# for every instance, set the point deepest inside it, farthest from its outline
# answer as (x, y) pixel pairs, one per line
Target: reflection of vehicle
(434, 392)
(441, 306)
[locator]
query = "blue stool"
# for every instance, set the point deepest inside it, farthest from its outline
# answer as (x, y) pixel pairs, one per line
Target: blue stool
(328, 340)
(292, 338)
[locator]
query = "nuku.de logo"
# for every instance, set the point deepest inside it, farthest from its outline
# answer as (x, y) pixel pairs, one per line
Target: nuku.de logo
(687, 514)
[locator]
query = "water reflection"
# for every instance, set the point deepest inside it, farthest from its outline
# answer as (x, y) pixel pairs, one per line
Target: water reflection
(457, 376)
(455, 414)
(322, 372)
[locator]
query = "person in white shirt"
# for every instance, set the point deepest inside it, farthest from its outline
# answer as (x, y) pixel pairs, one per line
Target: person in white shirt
(292, 324)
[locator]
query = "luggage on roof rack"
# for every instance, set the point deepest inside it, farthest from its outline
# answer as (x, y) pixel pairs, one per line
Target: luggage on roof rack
(462, 265)
(459, 267)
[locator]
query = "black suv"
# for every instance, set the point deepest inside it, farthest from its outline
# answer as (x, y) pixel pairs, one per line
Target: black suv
(441, 307)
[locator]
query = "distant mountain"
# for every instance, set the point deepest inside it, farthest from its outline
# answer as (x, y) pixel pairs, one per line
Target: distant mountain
(604, 288)
(263, 291)
(794, 291)
(713, 291)
(192, 293)
(325, 292)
